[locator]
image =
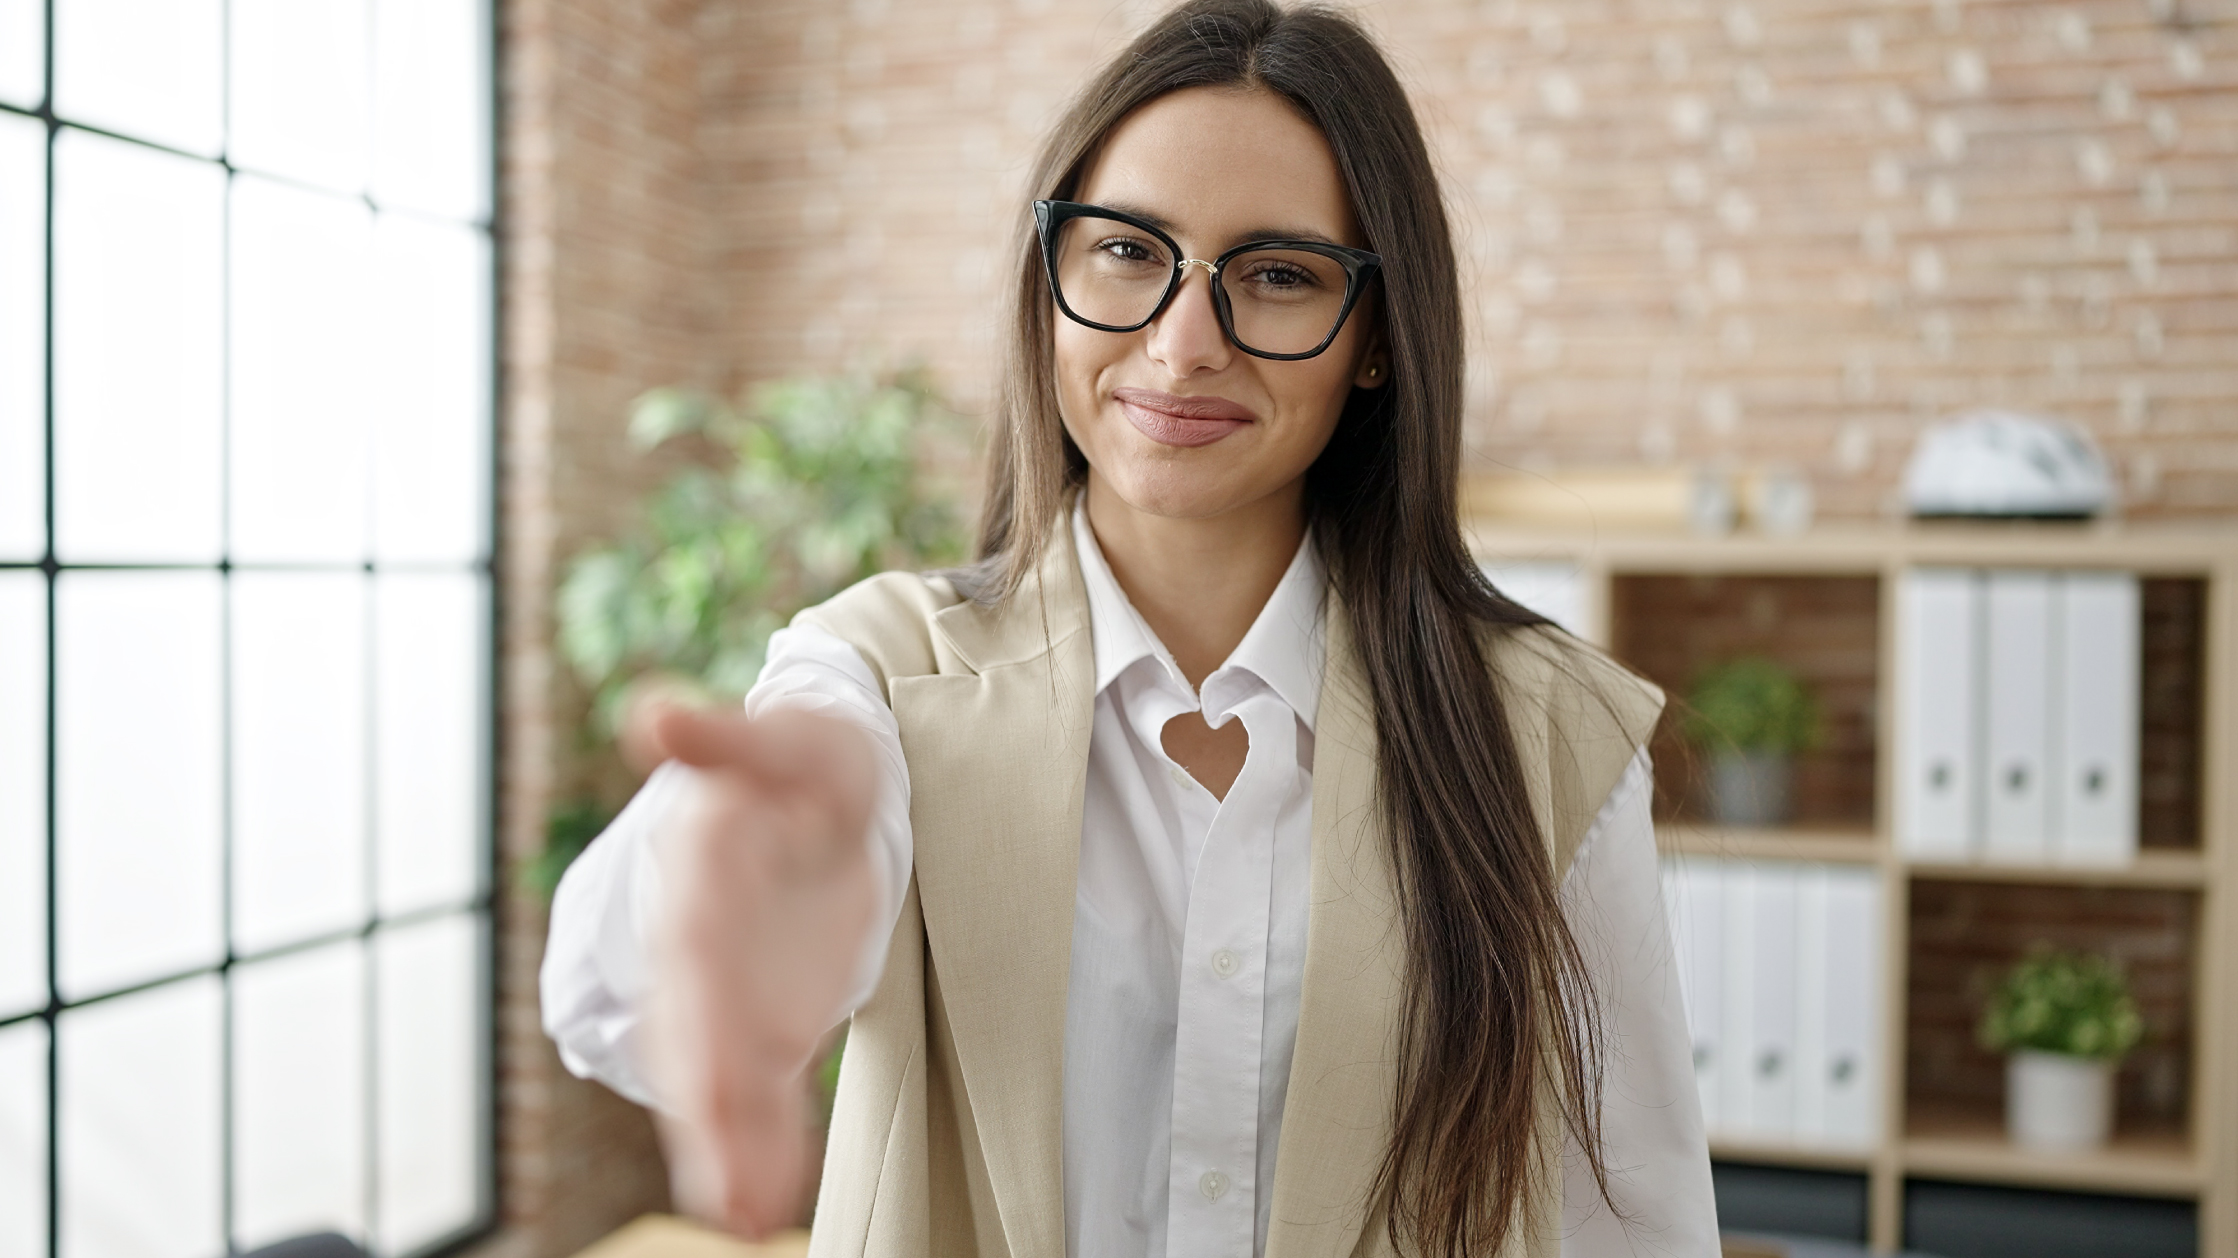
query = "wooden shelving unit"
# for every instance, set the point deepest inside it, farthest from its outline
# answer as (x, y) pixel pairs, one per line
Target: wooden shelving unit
(1973, 1147)
(1849, 847)
(2199, 1162)
(2150, 869)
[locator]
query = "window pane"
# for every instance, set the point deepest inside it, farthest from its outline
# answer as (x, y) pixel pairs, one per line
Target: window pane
(23, 1139)
(141, 1152)
(428, 1050)
(23, 334)
(23, 793)
(299, 679)
(300, 90)
(299, 1096)
(430, 391)
(138, 776)
(297, 439)
(428, 751)
(143, 68)
(431, 106)
(138, 352)
(23, 47)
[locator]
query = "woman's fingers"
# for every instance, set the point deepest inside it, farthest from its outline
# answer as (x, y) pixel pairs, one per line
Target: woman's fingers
(642, 703)
(784, 749)
(739, 1162)
(771, 900)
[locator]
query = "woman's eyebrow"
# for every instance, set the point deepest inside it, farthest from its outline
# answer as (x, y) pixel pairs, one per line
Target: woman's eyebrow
(1252, 236)
(1286, 233)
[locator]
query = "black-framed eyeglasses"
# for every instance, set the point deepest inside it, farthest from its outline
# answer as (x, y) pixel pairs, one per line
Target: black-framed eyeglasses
(1280, 299)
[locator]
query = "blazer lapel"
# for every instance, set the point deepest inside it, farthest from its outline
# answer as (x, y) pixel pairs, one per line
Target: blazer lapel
(1337, 1117)
(998, 761)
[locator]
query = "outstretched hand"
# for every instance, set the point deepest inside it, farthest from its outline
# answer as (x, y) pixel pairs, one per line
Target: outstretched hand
(770, 894)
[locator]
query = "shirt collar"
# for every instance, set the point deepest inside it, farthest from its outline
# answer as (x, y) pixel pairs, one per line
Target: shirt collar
(1285, 646)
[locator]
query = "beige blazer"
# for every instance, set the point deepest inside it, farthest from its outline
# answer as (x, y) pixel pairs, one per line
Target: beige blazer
(947, 1132)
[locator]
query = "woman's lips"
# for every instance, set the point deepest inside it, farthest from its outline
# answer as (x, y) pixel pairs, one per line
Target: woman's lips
(1181, 421)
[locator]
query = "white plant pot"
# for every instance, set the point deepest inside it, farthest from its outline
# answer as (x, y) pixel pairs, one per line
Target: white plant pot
(2055, 1103)
(1751, 788)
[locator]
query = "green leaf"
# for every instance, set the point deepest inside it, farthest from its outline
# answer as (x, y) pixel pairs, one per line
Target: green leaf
(659, 414)
(2062, 1002)
(817, 486)
(1752, 704)
(594, 635)
(569, 830)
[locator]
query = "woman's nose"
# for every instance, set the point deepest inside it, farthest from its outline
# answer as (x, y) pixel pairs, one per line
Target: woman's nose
(1186, 338)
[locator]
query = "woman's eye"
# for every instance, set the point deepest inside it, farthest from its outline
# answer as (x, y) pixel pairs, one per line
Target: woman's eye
(1282, 275)
(1123, 250)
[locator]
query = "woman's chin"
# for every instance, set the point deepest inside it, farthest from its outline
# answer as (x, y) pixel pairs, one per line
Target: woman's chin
(1174, 489)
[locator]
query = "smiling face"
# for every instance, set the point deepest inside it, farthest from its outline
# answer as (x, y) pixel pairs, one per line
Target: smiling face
(1173, 418)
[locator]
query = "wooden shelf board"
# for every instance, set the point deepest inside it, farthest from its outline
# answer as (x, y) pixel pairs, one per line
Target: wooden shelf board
(2152, 868)
(1781, 1153)
(1856, 847)
(1974, 1148)
(1865, 547)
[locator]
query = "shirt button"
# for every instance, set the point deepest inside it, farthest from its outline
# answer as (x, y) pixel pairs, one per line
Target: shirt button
(1180, 776)
(1224, 963)
(1212, 1185)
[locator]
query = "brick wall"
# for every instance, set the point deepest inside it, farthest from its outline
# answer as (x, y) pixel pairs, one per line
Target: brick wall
(1691, 230)
(607, 249)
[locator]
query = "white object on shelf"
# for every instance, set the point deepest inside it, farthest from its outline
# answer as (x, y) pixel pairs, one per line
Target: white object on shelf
(1938, 710)
(1694, 896)
(1848, 1069)
(1737, 949)
(1780, 501)
(1773, 1057)
(2096, 690)
(1998, 463)
(2055, 1103)
(2017, 724)
(1779, 965)
(1554, 589)
(1814, 1001)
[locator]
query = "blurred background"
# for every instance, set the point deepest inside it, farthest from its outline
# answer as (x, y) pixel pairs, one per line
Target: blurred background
(322, 327)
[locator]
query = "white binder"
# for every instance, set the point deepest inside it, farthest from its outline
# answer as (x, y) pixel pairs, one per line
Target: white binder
(1693, 895)
(1938, 706)
(1771, 1101)
(1848, 1068)
(2096, 691)
(1556, 590)
(1812, 1001)
(1736, 1014)
(2017, 717)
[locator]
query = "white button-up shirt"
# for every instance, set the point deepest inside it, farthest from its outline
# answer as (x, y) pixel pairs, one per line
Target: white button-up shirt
(1189, 937)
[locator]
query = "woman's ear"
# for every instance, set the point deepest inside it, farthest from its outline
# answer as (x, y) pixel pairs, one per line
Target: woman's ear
(1374, 370)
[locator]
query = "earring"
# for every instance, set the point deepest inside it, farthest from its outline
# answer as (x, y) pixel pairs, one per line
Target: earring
(1373, 372)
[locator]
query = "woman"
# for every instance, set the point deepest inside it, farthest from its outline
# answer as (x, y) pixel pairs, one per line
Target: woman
(1243, 873)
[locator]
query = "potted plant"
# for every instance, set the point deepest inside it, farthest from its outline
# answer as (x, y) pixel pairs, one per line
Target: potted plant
(1751, 715)
(814, 484)
(2064, 1021)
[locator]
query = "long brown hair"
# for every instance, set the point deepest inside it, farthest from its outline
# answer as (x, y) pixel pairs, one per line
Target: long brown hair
(1497, 1007)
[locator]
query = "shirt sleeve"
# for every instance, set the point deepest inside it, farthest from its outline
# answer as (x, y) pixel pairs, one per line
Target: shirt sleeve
(1652, 1144)
(596, 972)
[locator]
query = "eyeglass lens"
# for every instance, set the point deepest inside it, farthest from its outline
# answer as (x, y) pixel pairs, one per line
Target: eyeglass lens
(1280, 301)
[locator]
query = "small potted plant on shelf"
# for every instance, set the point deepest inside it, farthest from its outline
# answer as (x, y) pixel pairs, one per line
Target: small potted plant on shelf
(2064, 1021)
(1751, 715)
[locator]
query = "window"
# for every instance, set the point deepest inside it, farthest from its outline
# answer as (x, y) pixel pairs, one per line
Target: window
(245, 647)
